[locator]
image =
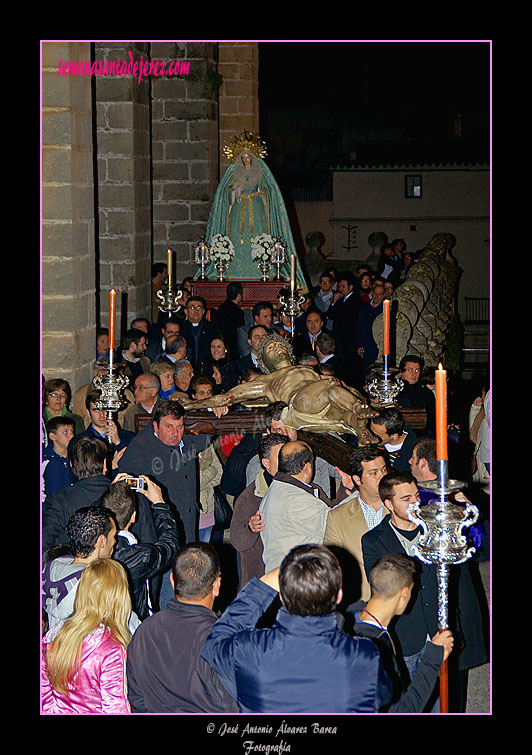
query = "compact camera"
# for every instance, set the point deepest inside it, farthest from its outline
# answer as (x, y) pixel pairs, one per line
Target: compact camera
(135, 483)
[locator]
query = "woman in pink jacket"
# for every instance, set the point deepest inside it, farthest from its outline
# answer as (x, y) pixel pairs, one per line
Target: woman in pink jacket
(84, 657)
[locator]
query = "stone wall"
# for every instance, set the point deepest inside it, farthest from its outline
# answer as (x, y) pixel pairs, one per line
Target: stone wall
(124, 185)
(239, 93)
(68, 261)
(184, 151)
(130, 168)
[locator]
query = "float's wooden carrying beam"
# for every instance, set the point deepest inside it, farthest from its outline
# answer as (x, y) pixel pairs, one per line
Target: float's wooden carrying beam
(330, 448)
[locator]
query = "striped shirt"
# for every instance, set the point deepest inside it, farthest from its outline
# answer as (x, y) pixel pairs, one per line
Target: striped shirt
(372, 517)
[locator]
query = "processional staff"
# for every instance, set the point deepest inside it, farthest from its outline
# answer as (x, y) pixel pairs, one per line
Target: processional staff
(291, 304)
(168, 296)
(110, 386)
(442, 523)
(386, 384)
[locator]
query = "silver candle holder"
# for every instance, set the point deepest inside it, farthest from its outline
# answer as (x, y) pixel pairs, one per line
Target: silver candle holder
(291, 306)
(111, 388)
(278, 256)
(202, 257)
(167, 295)
(384, 386)
(442, 522)
(169, 299)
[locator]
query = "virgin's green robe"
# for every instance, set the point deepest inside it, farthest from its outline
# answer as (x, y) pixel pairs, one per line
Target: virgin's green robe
(253, 215)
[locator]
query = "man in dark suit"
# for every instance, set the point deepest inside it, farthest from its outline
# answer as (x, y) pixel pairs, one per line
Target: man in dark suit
(198, 332)
(325, 348)
(230, 317)
(344, 315)
(169, 330)
(305, 343)
(256, 334)
(261, 314)
(398, 534)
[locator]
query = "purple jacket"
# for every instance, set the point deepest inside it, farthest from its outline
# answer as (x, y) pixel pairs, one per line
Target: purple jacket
(100, 685)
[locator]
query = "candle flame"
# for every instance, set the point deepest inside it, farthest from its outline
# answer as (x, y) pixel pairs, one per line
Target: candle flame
(440, 366)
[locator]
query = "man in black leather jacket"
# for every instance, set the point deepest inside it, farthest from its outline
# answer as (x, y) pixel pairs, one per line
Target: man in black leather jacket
(142, 561)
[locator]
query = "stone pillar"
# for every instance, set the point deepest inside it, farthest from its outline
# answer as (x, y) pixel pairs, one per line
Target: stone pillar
(124, 184)
(239, 94)
(68, 263)
(184, 149)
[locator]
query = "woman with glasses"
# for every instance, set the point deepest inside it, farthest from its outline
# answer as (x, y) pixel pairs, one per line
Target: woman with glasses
(56, 397)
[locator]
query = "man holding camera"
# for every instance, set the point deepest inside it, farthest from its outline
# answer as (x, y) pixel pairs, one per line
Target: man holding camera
(143, 561)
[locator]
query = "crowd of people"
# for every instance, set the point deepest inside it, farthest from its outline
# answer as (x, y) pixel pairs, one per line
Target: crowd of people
(332, 612)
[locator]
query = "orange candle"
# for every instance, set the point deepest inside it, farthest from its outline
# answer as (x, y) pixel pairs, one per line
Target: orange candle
(112, 306)
(386, 327)
(292, 272)
(169, 267)
(441, 413)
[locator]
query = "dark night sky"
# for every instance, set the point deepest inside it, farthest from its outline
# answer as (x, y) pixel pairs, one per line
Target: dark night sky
(394, 72)
(399, 92)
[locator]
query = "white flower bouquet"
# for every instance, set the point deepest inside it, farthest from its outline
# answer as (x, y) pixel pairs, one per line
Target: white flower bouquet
(221, 249)
(261, 248)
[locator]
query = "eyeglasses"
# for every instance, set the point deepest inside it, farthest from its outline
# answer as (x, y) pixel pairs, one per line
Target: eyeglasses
(143, 387)
(55, 394)
(194, 306)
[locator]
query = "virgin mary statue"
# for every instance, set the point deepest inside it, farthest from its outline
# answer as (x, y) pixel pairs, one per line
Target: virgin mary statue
(248, 203)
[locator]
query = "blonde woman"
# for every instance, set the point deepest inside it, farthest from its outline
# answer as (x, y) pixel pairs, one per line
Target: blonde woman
(84, 657)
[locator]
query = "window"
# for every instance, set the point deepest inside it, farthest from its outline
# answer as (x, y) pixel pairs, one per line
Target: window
(412, 186)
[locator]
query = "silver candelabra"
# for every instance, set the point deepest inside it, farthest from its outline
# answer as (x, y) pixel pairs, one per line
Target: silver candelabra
(202, 257)
(169, 299)
(278, 251)
(384, 386)
(291, 306)
(442, 523)
(111, 388)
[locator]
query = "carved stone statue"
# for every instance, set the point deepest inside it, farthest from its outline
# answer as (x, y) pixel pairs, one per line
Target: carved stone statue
(316, 403)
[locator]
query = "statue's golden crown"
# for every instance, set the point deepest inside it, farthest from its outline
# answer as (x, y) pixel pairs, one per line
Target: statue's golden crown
(246, 141)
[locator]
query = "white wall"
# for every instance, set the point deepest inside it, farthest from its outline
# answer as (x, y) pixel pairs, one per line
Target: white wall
(454, 201)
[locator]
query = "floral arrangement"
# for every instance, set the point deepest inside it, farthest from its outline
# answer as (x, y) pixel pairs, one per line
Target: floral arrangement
(221, 249)
(261, 248)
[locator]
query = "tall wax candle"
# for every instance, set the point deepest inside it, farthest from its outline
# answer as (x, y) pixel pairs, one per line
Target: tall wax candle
(112, 307)
(292, 272)
(441, 413)
(386, 327)
(169, 267)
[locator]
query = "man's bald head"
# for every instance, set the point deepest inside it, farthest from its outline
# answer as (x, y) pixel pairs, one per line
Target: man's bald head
(294, 456)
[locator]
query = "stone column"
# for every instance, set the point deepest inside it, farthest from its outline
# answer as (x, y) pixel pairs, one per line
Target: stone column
(239, 93)
(124, 184)
(68, 263)
(185, 150)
